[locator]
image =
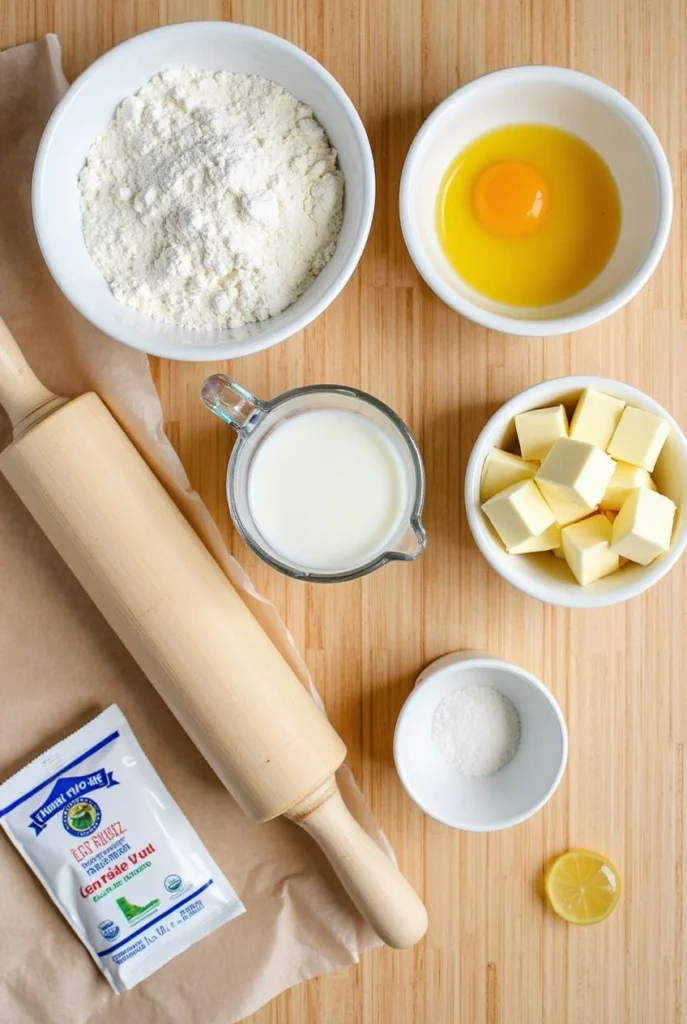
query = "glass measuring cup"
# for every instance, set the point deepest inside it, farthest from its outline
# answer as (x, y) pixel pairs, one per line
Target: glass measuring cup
(254, 419)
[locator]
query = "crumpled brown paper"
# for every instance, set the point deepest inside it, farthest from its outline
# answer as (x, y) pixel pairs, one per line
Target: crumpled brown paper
(60, 664)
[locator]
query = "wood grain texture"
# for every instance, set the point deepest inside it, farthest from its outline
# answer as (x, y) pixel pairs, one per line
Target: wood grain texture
(494, 954)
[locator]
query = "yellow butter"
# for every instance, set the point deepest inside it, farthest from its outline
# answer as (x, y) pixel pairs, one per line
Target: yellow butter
(596, 417)
(549, 540)
(639, 438)
(538, 429)
(611, 515)
(575, 472)
(502, 470)
(518, 514)
(587, 549)
(624, 480)
(566, 512)
(644, 526)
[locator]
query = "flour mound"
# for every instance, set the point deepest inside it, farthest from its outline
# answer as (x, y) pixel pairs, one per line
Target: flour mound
(212, 200)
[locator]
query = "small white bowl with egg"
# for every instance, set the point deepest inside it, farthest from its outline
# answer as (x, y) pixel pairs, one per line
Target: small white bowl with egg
(86, 110)
(494, 801)
(543, 576)
(584, 107)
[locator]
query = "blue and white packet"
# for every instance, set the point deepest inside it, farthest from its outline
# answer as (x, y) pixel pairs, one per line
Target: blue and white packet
(93, 820)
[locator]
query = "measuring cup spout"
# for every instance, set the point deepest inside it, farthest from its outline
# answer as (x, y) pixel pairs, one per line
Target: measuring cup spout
(232, 403)
(412, 542)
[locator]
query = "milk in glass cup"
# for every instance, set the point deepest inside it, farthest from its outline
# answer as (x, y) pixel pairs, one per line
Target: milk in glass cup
(324, 483)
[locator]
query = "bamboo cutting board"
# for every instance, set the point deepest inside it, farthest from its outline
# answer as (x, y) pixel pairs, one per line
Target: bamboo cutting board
(493, 954)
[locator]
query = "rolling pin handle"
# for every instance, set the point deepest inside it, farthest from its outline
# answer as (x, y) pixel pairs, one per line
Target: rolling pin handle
(372, 880)
(21, 393)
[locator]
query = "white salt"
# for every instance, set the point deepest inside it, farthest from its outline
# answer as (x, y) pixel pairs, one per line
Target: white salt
(477, 730)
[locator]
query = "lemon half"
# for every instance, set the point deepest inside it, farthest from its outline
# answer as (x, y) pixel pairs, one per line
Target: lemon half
(583, 887)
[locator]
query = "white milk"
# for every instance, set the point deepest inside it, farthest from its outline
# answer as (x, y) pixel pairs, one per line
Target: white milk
(327, 490)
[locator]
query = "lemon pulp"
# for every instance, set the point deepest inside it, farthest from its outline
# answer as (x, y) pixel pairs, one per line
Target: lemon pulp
(583, 887)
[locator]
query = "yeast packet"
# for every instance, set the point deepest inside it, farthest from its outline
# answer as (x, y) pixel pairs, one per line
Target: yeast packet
(93, 820)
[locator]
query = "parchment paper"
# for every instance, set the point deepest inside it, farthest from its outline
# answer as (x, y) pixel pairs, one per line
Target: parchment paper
(60, 664)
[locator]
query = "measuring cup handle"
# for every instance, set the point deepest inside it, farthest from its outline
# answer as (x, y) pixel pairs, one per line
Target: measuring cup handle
(232, 403)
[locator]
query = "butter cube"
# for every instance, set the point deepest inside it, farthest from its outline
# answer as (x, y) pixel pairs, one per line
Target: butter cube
(549, 540)
(502, 470)
(537, 430)
(518, 514)
(575, 472)
(595, 418)
(624, 480)
(639, 438)
(611, 516)
(644, 526)
(587, 549)
(566, 512)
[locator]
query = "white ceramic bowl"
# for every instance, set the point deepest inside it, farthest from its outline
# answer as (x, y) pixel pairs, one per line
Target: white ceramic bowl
(495, 801)
(579, 104)
(85, 111)
(547, 578)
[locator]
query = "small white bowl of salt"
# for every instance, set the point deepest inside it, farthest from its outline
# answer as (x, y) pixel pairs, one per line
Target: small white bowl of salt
(480, 744)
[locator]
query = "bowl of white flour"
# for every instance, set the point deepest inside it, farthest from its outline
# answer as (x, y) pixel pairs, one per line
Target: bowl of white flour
(480, 744)
(203, 191)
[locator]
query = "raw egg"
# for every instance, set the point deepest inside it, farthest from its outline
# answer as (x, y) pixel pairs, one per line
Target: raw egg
(528, 215)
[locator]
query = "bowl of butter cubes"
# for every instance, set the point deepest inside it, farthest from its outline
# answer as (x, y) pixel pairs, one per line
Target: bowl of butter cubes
(576, 492)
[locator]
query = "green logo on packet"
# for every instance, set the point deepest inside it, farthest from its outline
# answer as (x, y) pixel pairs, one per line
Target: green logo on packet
(131, 911)
(81, 817)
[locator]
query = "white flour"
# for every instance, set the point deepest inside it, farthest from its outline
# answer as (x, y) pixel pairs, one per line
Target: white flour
(477, 730)
(211, 200)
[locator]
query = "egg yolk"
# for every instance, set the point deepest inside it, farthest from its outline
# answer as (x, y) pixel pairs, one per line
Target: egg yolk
(510, 198)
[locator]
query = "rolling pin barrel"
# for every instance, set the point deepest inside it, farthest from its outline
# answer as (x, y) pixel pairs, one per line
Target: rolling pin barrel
(174, 609)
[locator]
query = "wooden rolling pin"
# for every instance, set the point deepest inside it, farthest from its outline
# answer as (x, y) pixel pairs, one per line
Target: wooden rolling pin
(164, 595)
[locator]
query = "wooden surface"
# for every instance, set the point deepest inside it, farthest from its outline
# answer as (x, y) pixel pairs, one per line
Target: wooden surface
(494, 954)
